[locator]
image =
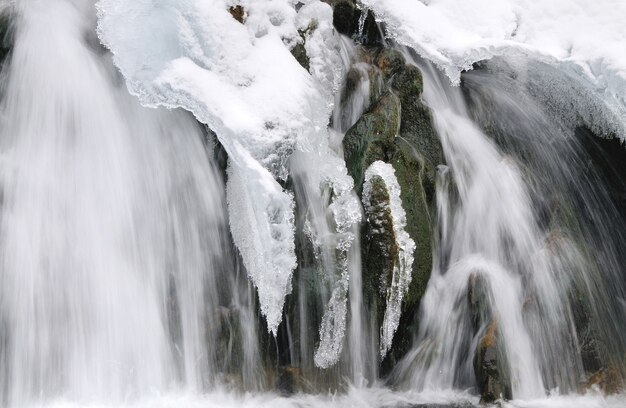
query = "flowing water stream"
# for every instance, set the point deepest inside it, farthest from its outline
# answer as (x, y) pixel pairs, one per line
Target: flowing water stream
(120, 284)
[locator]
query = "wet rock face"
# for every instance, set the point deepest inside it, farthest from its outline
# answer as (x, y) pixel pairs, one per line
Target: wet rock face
(398, 130)
(346, 18)
(607, 380)
(390, 62)
(477, 300)
(488, 367)
(6, 34)
(380, 246)
(490, 364)
(372, 137)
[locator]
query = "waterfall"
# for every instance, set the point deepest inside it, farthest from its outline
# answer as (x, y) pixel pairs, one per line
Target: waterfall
(493, 239)
(191, 193)
(116, 261)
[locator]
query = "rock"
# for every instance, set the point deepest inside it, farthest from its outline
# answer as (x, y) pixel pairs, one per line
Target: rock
(238, 13)
(6, 34)
(390, 62)
(416, 178)
(299, 50)
(380, 249)
(415, 155)
(408, 82)
(354, 78)
(371, 35)
(493, 383)
(346, 16)
(288, 380)
(609, 381)
(418, 152)
(299, 53)
(477, 298)
(372, 137)
(490, 363)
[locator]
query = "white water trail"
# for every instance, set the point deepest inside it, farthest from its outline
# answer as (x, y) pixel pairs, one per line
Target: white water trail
(489, 231)
(112, 229)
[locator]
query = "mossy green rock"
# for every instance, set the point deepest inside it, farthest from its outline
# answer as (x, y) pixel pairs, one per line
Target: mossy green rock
(372, 137)
(414, 151)
(418, 153)
(353, 80)
(390, 62)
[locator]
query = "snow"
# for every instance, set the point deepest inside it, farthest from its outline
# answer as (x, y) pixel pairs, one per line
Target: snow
(242, 81)
(406, 247)
(585, 39)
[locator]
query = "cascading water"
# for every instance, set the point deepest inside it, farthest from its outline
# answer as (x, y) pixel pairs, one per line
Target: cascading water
(492, 235)
(115, 256)
(499, 274)
(147, 260)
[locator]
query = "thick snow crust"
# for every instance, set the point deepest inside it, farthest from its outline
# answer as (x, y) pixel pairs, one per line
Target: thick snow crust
(585, 39)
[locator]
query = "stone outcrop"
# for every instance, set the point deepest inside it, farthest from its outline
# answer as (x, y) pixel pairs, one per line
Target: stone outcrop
(347, 18)
(490, 363)
(6, 34)
(398, 130)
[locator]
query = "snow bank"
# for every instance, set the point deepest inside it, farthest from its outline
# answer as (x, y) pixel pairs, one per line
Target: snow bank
(583, 38)
(242, 81)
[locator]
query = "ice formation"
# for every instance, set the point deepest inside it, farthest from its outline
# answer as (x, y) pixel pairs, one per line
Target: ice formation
(406, 247)
(584, 39)
(240, 79)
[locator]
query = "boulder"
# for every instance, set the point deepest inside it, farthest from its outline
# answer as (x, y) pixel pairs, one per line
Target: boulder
(6, 34)
(608, 381)
(238, 13)
(372, 137)
(398, 130)
(489, 365)
(380, 249)
(390, 62)
(346, 17)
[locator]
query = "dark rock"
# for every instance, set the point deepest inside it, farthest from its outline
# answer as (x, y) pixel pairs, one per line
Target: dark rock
(489, 365)
(299, 53)
(371, 35)
(390, 62)
(412, 147)
(238, 13)
(352, 81)
(408, 82)
(380, 249)
(416, 178)
(609, 381)
(418, 152)
(354, 77)
(372, 137)
(299, 50)
(6, 34)
(490, 362)
(477, 297)
(287, 380)
(346, 16)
